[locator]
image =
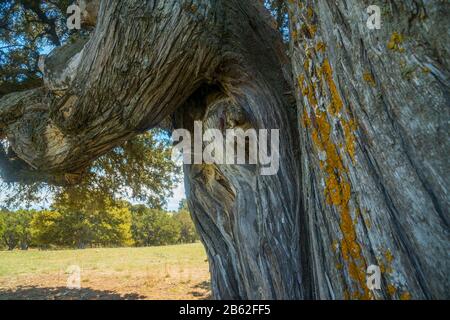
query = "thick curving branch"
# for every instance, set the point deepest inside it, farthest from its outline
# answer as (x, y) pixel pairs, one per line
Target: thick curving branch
(127, 76)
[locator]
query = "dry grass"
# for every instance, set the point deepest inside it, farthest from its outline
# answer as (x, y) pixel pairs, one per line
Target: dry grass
(169, 272)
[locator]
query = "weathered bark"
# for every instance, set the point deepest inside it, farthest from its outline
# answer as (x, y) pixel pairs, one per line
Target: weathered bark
(249, 223)
(144, 59)
(373, 114)
(362, 177)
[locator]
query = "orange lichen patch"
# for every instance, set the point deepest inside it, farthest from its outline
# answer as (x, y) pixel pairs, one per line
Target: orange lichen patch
(321, 47)
(337, 190)
(323, 126)
(405, 296)
(389, 258)
(351, 251)
(395, 41)
(426, 70)
(306, 64)
(309, 52)
(308, 90)
(391, 289)
(306, 119)
(310, 12)
(308, 30)
(350, 248)
(336, 101)
(311, 95)
(367, 76)
(349, 129)
(312, 30)
(315, 138)
(333, 190)
(338, 194)
(294, 34)
(300, 80)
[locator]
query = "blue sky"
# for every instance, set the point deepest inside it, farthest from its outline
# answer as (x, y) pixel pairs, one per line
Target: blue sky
(178, 195)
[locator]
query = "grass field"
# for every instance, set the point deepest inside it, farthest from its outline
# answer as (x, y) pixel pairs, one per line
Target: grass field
(169, 272)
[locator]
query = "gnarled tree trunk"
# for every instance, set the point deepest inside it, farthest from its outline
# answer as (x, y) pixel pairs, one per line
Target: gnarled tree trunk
(373, 109)
(362, 176)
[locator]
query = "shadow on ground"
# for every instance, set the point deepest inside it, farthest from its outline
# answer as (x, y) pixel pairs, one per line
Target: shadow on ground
(63, 293)
(205, 285)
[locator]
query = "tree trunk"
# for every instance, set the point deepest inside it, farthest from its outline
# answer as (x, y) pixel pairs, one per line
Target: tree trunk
(362, 176)
(373, 117)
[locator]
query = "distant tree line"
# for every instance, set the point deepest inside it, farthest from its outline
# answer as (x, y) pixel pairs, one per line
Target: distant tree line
(93, 225)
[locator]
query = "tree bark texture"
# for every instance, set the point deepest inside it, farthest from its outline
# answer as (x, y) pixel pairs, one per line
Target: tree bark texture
(363, 118)
(373, 109)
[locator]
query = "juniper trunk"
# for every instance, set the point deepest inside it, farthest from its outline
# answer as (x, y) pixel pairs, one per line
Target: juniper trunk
(373, 110)
(362, 176)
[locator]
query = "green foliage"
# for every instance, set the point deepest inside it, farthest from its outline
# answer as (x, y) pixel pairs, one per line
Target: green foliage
(140, 170)
(15, 228)
(183, 205)
(188, 234)
(73, 224)
(87, 223)
(45, 228)
(27, 26)
(278, 9)
(153, 227)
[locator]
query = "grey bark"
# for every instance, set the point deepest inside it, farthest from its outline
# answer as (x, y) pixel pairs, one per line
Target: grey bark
(363, 172)
(373, 107)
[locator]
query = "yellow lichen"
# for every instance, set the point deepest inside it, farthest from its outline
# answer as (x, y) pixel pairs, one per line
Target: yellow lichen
(306, 119)
(337, 190)
(389, 258)
(349, 128)
(321, 47)
(395, 41)
(336, 101)
(367, 76)
(338, 194)
(405, 296)
(310, 12)
(391, 289)
(306, 64)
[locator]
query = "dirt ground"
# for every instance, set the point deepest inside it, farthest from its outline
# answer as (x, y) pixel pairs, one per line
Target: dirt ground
(155, 276)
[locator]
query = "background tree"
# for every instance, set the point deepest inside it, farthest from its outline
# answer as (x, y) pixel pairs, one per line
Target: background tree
(188, 233)
(278, 8)
(94, 222)
(15, 227)
(45, 229)
(153, 227)
(2, 227)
